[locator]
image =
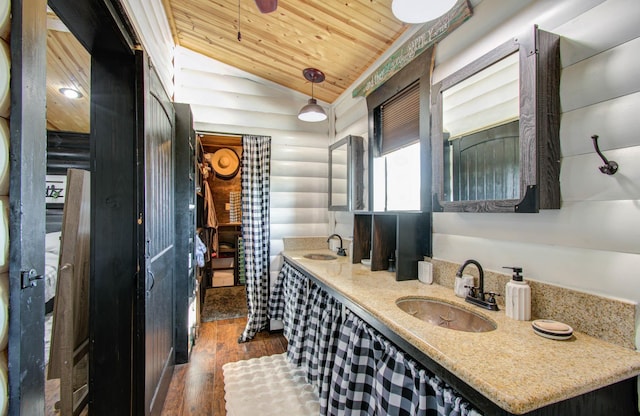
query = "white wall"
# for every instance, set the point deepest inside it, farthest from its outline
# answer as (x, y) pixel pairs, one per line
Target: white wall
(592, 243)
(351, 119)
(226, 100)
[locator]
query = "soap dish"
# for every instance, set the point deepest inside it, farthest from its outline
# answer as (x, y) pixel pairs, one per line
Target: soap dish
(552, 329)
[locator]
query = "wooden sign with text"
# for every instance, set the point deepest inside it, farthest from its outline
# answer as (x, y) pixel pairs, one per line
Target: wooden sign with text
(426, 37)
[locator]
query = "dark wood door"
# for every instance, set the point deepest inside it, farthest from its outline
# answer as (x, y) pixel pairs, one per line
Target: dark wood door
(156, 306)
(486, 164)
(27, 208)
(102, 29)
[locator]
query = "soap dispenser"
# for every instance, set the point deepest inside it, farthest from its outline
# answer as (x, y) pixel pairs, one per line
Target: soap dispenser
(518, 297)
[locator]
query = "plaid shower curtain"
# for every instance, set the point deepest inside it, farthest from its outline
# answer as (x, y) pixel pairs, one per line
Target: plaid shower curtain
(256, 158)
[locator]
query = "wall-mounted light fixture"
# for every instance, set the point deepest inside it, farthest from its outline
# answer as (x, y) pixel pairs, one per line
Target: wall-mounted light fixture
(312, 111)
(420, 11)
(70, 93)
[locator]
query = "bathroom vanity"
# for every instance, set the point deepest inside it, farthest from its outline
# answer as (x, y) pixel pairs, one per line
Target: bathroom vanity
(506, 371)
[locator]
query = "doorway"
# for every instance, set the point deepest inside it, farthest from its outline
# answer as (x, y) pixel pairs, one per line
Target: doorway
(220, 157)
(68, 80)
(116, 347)
(220, 226)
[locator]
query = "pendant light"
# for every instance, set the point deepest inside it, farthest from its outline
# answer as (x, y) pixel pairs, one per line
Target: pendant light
(420, 11)
(312, 111)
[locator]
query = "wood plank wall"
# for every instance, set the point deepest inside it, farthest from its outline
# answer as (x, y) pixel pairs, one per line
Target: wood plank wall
(226, 100)
(65, 150)
(592, 243)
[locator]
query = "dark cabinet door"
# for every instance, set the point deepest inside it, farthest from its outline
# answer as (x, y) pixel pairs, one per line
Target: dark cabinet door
(185, 226)
(156, 279)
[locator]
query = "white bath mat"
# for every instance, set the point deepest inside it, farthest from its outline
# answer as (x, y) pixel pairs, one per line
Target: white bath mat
(268, 386)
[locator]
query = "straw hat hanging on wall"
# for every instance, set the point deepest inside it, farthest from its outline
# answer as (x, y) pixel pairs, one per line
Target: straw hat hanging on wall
(225, 163)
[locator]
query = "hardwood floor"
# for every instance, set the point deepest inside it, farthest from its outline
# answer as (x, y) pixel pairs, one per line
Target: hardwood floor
(197, 388)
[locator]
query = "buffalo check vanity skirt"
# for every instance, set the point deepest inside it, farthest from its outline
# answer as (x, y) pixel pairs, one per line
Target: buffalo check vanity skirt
(353, 368)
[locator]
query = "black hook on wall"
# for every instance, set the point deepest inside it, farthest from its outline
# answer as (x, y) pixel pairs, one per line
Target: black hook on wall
(610, 167)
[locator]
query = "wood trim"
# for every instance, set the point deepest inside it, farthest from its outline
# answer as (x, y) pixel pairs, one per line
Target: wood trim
(25, 391)
(139, 360)
(113, 259)
(548, 119)
(185, 194)
(96, 24)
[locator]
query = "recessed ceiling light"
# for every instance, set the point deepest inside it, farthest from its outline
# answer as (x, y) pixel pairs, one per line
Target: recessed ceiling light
(70, 93)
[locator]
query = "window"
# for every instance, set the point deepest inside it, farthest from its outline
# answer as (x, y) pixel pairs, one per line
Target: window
(399, 139)
(400, 120)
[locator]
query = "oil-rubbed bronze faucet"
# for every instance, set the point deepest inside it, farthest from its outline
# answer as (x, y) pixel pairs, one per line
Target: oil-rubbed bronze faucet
(341, 251)
(476, 295)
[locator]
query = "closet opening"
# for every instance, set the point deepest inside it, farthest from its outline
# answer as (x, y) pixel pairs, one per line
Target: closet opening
(219, 226)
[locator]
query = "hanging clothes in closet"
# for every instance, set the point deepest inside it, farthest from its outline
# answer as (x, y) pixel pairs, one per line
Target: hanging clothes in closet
(210, 219)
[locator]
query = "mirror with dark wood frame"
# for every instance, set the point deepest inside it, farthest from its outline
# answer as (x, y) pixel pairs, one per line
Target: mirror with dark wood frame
(495, 130)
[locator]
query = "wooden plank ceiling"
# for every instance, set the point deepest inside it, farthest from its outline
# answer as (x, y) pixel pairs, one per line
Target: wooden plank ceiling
(68, 66)
(341, 38)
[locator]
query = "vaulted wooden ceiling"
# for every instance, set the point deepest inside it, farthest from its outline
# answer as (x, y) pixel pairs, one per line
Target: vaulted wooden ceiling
(342, 38)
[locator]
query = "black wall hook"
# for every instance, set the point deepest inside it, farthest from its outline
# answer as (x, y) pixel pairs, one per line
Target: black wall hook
(610, 167)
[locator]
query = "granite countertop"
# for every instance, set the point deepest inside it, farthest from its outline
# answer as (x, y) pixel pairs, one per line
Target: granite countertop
(511, 366)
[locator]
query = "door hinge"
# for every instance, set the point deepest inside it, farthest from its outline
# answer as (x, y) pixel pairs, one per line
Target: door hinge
(29, 278)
